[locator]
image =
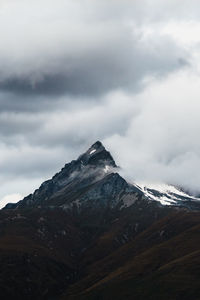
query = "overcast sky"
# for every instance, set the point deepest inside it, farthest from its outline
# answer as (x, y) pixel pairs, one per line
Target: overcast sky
(126, 72)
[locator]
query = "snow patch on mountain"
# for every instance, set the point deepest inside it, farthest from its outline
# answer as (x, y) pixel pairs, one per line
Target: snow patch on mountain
(164, 193)
(107, 169)
(94, 150)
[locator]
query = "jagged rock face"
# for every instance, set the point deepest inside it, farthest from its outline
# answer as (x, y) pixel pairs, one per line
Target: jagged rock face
(92, 174)
(97, 155)
(112, 191)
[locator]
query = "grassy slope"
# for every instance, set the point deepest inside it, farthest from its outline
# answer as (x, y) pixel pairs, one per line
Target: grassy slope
(160, 263)
(35, 253)
(41, 255)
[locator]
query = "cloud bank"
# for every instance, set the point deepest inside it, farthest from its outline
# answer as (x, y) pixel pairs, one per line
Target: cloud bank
(125, 72)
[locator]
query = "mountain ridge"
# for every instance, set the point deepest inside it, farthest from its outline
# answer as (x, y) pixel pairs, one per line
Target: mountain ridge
(66, 188)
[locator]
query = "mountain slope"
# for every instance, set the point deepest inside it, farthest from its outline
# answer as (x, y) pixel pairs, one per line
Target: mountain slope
(160, 263)
(72, 180)
(89, 182)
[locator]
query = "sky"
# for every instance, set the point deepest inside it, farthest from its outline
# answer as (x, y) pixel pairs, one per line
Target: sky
(126, 72)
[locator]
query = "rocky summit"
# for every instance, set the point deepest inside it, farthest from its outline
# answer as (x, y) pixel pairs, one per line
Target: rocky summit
(87, 233)
(90, 182)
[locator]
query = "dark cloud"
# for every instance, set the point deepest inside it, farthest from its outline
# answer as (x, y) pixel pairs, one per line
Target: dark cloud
(71, 51)
(123, 63)
(12, 124)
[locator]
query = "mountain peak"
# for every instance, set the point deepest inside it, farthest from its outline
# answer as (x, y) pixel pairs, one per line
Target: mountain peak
(96, 148)
(90, 167)
(97, 145)
(97, 155)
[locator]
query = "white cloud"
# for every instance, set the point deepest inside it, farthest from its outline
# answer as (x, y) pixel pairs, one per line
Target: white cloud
(162, 143)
